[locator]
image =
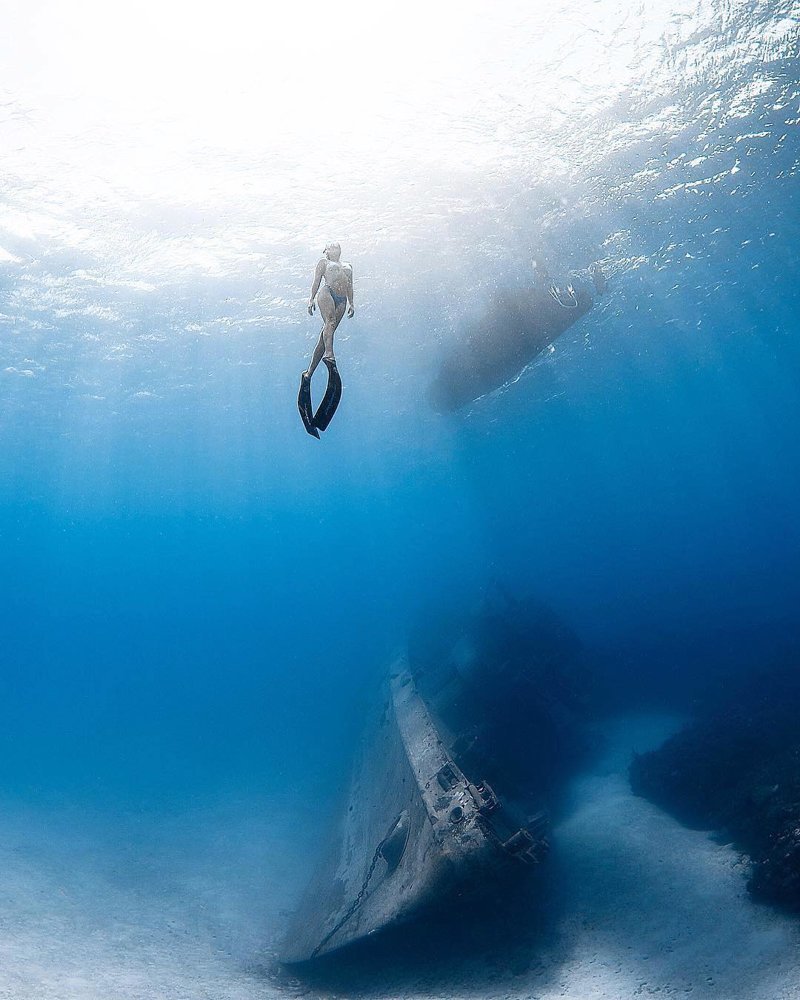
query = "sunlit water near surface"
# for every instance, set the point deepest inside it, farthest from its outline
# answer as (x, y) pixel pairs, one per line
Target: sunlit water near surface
(199, 600)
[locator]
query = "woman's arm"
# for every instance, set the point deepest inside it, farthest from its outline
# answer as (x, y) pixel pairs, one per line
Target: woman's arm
(319, 274)
(350, 305)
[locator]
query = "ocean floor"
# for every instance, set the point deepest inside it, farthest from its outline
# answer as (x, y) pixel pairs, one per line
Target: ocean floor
(654, 909)
(191, 905)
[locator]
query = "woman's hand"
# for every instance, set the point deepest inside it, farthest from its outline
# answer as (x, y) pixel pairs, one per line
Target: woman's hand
(351, 311)
(311, 307)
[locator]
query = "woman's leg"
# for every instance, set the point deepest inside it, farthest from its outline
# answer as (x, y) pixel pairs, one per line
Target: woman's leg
(316, 357)
(327, 336)
(332, 315)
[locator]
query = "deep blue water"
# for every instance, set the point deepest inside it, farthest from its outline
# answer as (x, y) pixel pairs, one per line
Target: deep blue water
(198, 597)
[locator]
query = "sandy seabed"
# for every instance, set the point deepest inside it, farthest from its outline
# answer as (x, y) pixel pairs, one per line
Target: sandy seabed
(192, 905)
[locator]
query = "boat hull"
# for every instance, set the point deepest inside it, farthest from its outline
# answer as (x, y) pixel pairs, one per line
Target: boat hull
(414, 832)
(494, 350)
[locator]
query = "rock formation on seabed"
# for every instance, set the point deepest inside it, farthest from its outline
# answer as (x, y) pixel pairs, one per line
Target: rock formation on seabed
(737, 771)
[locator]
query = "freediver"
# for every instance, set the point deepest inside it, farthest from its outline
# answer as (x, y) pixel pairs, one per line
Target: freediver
(333, 298)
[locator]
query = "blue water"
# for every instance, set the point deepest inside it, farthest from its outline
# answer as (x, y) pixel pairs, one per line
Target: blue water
(197, 597)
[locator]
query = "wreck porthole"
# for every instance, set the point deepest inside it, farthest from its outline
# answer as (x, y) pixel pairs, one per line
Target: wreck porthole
(394, 845)
(456, 814)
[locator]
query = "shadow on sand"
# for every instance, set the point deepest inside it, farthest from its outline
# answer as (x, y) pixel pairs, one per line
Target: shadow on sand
(469, 947)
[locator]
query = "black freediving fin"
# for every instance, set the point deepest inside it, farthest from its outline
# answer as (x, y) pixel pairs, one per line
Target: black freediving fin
(304, 405)
(331, 399)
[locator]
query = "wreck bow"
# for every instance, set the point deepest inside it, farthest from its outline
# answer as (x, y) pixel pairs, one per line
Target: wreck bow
(415, 832)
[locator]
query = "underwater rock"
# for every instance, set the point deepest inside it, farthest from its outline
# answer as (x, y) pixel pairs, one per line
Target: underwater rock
(738, 771)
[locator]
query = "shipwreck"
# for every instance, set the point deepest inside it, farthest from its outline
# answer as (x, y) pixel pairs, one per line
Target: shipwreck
(449, 786)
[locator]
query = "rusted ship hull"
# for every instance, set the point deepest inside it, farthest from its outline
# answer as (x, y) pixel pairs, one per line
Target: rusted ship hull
(415, 830)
